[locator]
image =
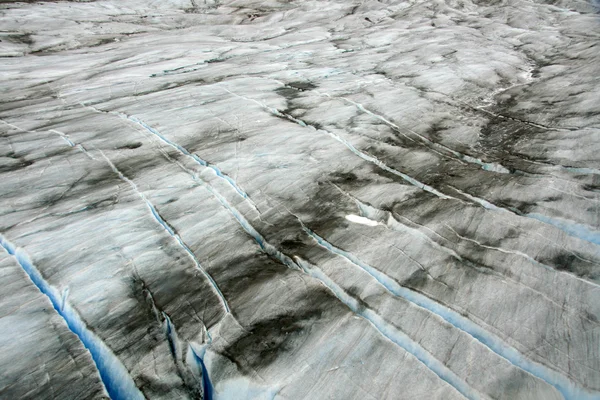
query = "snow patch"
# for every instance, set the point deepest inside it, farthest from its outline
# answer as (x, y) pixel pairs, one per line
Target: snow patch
(361, 220)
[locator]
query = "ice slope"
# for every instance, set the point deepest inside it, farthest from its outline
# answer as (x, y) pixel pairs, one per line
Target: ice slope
(300, 199)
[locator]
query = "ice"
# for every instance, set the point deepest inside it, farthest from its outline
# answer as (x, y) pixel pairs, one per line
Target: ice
(259, 199)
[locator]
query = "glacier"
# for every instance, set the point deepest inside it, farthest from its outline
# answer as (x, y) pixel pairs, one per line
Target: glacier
(285, 199)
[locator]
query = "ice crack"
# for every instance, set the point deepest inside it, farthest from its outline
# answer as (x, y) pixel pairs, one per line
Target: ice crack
(116, 379)
(169, 229)
(564, 385)
(392, 333)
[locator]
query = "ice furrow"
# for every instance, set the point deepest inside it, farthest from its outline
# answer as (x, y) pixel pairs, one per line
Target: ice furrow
(591, 171)
(188, 376)
(488, 205)
(206, 383)
(561, 383)
(64, 136)
(575, 230)
(565, 386)
(365, 156)
(517, 253)
(265, 246)
(383, 327)
(216, 170)
(242, 221)
(201, 64)
(387, 219)
(392, 333)
(162, 318)
(180, 70)
(116, 379)
(15, 126)
(548, 164)
(581, 170)
(158, 315)
(194, 156)
(483, 110)
(493, 167)
(172, 339)
(571, 228)
(158, 218)
(545, 127)
(393, 224)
